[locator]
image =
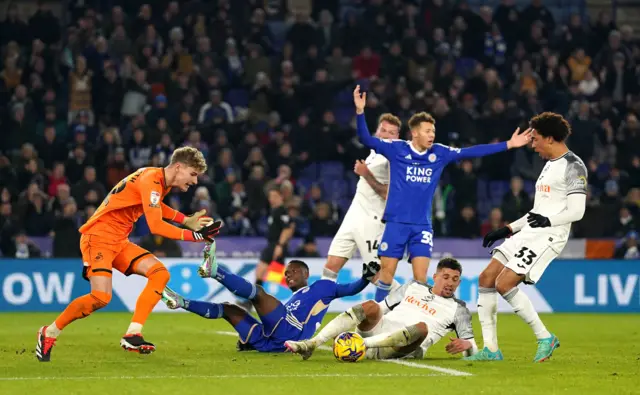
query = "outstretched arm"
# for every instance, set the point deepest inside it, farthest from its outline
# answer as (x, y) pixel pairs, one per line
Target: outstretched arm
(369, 270)
(383, 147)
(517, 140)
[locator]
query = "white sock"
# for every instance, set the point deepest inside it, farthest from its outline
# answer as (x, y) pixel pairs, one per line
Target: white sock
(524, 308)
(52, 331)
(400, 338)
(488, 315)
(328, 274)
(342, 323)
(134, 327)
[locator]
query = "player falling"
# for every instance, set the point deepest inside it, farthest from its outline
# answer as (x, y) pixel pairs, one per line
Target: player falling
(362, 226)
(415, 169)
(539, 237)
(105, 245)
(297, 319)
(407, 322)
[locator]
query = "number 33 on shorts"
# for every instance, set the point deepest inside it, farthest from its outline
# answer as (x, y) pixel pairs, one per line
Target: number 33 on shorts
(526, 255)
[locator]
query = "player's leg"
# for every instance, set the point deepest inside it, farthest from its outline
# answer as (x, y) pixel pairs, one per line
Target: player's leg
(420, 247)
(97, 258)
(397, 343)
(341, 249)
(391, 250)
(528, 267)
(136, 260)
(488, 301)
(364, 316)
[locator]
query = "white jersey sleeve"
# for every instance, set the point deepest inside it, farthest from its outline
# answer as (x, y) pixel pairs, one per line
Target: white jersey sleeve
(575, 175)
(462, 322)
(366, 198)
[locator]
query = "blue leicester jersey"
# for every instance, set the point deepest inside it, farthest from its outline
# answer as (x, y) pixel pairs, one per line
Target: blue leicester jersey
(307, 306)
(414, 175)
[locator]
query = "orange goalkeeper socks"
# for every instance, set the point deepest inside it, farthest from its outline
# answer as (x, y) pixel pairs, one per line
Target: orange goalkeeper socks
(157, 279)
(81, 307)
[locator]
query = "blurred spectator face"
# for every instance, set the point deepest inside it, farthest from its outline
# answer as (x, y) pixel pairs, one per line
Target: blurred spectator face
(162, 125)
(442, 107)
(438, 35)
(63, 192)
(5, 195)
(321, 75)
(49, 133)
(58, 170)
(284, 172)
(328, 117)
(614, 39)
(138, 136)
(32, 166)
(459, 24)
(255, 155)
(467, 213)
(226, 158)
(90, 174)
(315, 193)
(119, 33)
(194, 138)
(21, 92)
(237, 188)
(497, 105)
(285, 150)
(202, 193)
(89, 210)
(286, 190)
(70, 209)
(18, 113)
(322, 211)
(467, 166)
(257, 173)
(366, 52)
(230, 177)
(119, 156)
(495, 216)
(516, 185)
(165, 140)
(251, 139)
(632, 122)
(5, 209)
(275, 198)
(145, 11)
(27, 151)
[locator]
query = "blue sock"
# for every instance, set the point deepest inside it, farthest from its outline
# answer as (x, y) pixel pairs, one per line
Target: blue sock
(236, 284)
(204, 309)
(382, 290)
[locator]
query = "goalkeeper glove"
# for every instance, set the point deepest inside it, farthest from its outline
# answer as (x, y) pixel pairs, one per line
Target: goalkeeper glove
(369, 270)
(197, 220)
(208, 232)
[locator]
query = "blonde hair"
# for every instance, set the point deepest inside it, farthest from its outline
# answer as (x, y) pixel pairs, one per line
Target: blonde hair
(392, 119)
(191, 157)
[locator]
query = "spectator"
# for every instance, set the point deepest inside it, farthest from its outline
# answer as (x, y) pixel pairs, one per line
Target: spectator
(308, 249)
(516, 203)
(66, 238)
(161, 246)
(494, 222)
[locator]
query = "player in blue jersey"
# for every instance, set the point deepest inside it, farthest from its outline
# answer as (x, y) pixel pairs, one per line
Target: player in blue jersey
(297, 319)
(415, 167)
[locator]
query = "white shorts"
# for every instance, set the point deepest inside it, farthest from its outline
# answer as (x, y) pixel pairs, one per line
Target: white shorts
(386, 325)
(360, 231)
(529, 253)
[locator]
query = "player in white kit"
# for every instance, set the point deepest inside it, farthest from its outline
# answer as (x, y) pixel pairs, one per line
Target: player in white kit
(362, 226)
(407, 322)
(538, 237)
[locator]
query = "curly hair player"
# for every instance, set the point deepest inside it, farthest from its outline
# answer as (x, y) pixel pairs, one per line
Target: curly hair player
(538, 238)
(105, 245)
(297, 319)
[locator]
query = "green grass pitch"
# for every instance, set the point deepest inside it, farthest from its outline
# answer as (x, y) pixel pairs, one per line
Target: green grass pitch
(599, 354)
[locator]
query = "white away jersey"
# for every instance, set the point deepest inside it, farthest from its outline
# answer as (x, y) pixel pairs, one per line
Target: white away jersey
(414, 302)
(559, 178)
(366, 198)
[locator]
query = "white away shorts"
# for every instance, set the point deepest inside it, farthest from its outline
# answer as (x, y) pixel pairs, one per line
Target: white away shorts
(358, 231)
(529, 254)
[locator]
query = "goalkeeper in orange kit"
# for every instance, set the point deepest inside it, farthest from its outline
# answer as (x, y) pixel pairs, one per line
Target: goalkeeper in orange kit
(105, 245)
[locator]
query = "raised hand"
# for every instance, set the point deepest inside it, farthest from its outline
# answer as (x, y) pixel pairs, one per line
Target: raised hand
(359, 100)
(520, 139)
(197, 220)
(369, 270)
(208, 232)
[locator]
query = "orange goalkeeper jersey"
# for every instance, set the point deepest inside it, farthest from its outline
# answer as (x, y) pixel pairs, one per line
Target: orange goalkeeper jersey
(139, 193)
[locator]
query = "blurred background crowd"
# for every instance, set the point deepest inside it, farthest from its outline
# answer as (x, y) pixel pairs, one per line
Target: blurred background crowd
(92, 90)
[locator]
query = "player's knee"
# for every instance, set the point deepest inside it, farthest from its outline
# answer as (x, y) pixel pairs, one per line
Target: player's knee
(423, 329)
(101, 299)
(370, 309)
(159, 274)
(502, 287)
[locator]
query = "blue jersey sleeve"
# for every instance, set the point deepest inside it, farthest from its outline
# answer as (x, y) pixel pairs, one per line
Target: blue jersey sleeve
(329, 290)
(351, 289)
(383, 147)
(456, 154)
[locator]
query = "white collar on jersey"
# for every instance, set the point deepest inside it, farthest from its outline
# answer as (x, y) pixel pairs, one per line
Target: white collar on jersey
(415, 150)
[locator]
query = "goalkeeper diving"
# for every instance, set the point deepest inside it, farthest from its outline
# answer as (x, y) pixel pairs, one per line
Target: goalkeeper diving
(407, 322)
(297, 319)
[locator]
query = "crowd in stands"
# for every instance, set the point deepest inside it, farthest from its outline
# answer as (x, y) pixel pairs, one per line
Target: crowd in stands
(264, 91)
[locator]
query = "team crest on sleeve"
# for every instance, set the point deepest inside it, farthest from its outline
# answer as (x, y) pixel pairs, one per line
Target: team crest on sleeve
(155, 199)
(384, 246)
(432, 158)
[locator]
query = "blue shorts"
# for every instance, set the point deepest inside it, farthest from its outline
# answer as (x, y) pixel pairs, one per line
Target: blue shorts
(270, 334)
(417, 240)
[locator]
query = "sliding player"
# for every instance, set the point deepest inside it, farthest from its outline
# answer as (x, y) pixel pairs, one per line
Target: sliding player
(538, 238)
(411, 319)
(362, 226)
(297, 319)
(105, 245)
(415, 168)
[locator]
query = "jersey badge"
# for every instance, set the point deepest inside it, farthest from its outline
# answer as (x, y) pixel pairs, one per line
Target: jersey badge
(432, 158)
(384, 246)
(155, 199)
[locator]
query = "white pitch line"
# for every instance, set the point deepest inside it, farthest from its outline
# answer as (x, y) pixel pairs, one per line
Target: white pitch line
(221, 376)
(451, 372)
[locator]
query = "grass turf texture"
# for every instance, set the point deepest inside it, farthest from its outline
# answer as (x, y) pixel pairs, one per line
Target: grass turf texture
(598, 354)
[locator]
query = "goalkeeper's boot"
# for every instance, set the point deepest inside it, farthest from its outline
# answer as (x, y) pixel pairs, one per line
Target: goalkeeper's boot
(485, 355)
(209, 266)
(134, 342)
(305, 348)
(44, 345)
(172, 299)
(546, 347)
